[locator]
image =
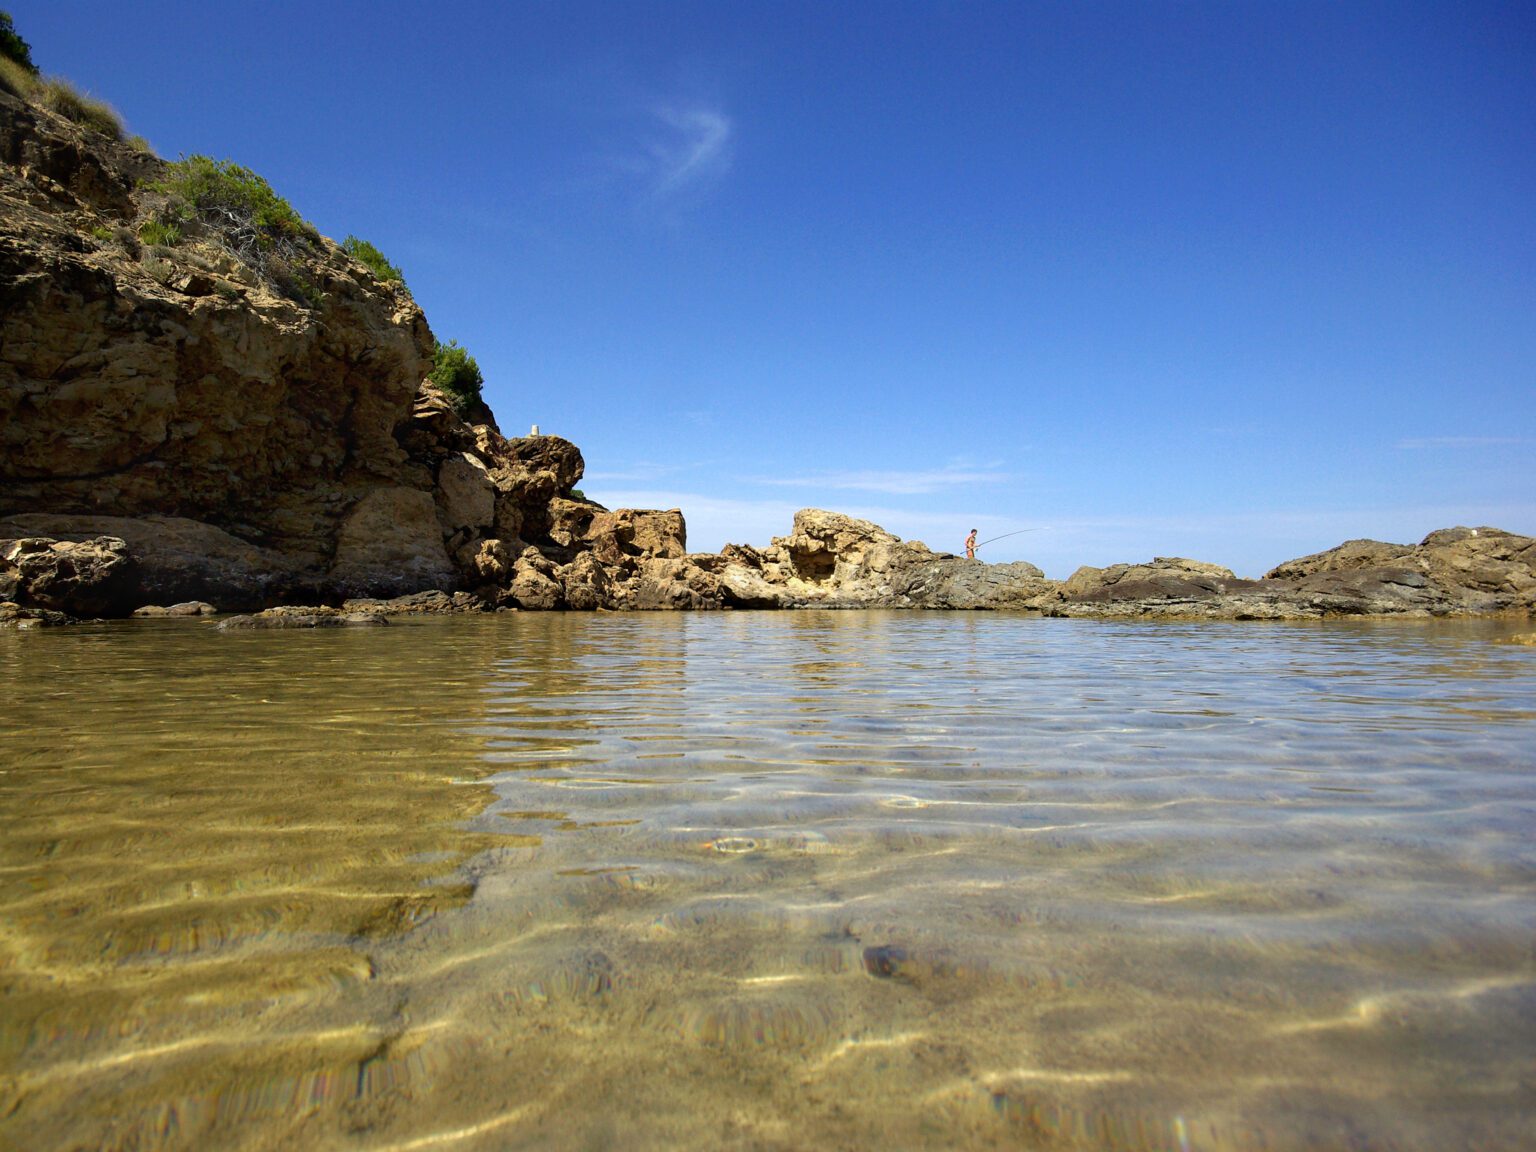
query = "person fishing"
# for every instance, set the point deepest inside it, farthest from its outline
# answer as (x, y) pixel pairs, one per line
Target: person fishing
(971, 547)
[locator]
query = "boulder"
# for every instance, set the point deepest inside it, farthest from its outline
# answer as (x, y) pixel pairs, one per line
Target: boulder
(15, 616)
(534, 584)
(1164, 578)
(586, 583)
(821, 541)
(1350, 556)
(487, 562)
(664, 584)
(1453, 571)
(95, 577)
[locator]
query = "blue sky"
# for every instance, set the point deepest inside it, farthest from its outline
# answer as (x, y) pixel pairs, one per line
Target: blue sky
(1235, 281)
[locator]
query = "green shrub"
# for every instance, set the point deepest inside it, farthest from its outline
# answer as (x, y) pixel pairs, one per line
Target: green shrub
(59, 95)
(237, 207)
(139, 144)
(226, 195)
(159, 232)
(454, 371)
(13, 47)
(103, 233)
(366, 254)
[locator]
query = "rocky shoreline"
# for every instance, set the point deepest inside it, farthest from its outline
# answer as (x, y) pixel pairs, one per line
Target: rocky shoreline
(829, 561)
(179, 436)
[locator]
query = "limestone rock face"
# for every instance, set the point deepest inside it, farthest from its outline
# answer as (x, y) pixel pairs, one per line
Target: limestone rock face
(466, 494)
(391, 542)
(144, 382)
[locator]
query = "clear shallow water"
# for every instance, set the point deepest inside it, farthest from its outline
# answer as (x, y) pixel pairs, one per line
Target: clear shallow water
(769, 881)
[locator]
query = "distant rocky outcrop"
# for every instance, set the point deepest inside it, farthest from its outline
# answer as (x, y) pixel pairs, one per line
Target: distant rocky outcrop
(1452, 572)
(833, 561)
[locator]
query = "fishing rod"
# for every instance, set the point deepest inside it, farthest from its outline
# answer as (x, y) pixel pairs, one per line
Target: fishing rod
(1005, 536)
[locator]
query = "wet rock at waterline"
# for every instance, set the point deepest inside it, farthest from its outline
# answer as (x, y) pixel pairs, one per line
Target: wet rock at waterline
(190, 608)
(93, 577)
(13, 615)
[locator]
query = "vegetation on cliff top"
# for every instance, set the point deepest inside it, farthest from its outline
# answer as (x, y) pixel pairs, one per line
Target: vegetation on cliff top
(59, 95)
(366, 254)
(228, 203)
(236, 202)
(454, 371)
(13, 47)
(239, 209)
(18, 74)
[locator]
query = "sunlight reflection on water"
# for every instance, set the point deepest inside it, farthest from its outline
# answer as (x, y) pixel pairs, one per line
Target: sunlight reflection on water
(769, 880)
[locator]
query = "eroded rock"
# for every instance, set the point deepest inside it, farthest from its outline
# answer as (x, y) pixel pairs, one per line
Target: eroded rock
(91, 577)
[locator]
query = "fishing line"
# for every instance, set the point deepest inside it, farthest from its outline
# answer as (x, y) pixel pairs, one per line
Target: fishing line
(1005, 536)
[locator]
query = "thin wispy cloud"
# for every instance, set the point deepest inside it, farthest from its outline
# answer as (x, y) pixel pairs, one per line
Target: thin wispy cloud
(684, 150)
(918, 482)
(662, 155)
(679, 151)
(1463, 441)
(642, 471)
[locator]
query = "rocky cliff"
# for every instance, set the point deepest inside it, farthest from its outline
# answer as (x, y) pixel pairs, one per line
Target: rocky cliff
(178, 423)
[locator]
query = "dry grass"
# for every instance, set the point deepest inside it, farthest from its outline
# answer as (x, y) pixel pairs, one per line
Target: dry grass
(59, 95)
(15, 79)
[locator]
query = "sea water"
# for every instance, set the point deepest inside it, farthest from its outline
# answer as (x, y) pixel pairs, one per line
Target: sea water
(768, 881)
